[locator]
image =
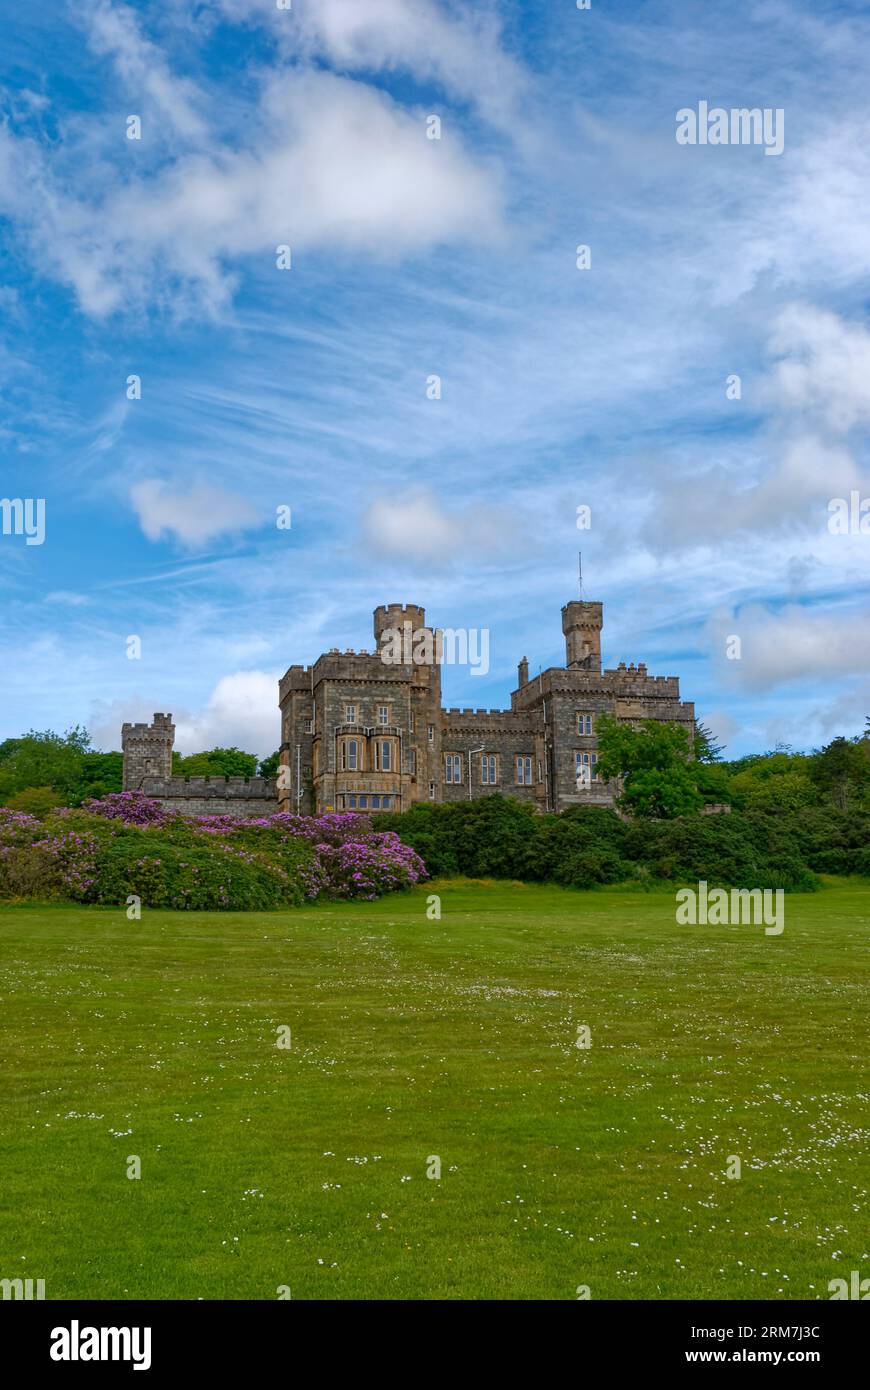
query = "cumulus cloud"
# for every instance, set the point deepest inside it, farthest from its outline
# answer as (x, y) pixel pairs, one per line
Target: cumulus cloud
(192, 517)
(241, 712)
(823, 368)
(815, 394)
(794, 492)
(327, 163)
(793, 643)
(419, 527)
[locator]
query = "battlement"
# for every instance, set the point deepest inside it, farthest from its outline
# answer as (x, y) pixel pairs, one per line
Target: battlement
(622, 680)
(636, 678)
(504, 720)
(394, 614)
(358, 666)
(220, 788)
(161, 724)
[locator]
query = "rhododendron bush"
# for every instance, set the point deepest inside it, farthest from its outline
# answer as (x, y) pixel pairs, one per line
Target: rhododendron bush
(130, 845)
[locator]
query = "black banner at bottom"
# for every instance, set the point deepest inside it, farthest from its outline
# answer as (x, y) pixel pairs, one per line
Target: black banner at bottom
(228, 1338)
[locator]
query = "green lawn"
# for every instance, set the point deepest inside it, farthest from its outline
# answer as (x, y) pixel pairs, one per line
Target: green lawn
(560, 1166)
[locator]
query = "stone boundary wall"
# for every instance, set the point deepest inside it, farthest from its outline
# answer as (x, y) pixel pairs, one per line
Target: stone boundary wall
(215, 796)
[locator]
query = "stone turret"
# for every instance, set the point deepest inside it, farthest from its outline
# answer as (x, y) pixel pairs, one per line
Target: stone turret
(147, 750)
(391, 617)
(582, 623)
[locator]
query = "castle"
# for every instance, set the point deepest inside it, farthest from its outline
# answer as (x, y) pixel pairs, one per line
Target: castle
(365, 731)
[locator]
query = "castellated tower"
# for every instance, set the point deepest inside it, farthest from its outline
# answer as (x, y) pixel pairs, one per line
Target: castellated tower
(582, 623)
(147, 750)
(391, 617)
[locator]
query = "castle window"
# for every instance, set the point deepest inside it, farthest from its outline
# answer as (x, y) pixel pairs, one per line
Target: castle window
(584, 724)
(453, 769)
(350, 714)
(350, 755)
(431, 791)
(412, 761)
(383, 714)
(489, 769)
(431, 733)
(410, 723)
(524, 771)
(309, 725)
(376, 803)
(587, 760)
(383, 755)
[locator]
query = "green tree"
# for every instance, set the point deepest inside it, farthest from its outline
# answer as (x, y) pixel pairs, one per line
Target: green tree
(218, 762)
(789, 789)
(269, 766)
(660, 778)
(706, 748)
(42, 759)
(841, 771)
(99, 774)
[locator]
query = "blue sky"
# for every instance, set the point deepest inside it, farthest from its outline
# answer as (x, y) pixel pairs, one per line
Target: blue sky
(411, 257)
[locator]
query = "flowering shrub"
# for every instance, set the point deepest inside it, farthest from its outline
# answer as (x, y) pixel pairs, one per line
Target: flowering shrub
(15, 827)
(133, 808)
(363, 868)
(74, 857)
(128, 844)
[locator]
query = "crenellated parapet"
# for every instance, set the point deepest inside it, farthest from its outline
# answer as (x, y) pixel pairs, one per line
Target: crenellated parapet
(224, 788)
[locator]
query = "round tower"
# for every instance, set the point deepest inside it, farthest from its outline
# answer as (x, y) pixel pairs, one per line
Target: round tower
(390, 618)
(582, 623)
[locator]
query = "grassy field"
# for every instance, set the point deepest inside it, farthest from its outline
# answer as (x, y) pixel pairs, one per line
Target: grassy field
(560, 1166)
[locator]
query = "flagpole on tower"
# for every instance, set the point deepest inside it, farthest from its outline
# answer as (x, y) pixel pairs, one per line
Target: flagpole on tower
(580, 572)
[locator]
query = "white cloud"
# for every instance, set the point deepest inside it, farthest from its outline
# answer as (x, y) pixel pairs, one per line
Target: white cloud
(418, 527)
(114, 31)
(815, 393)
(192, 517)
(824, 367)
(327, 163)
(242, 712)
(456, 45)
(794, 643)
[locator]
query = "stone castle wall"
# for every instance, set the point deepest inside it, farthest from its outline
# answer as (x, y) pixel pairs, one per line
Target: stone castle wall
(215, 796)
(147, 752)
